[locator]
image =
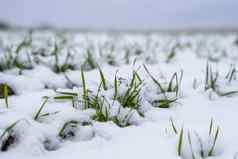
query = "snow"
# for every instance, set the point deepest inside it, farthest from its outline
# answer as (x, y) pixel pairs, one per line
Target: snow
(150, 135)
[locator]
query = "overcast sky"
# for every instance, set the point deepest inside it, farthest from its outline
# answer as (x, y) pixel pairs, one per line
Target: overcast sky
(121, 14)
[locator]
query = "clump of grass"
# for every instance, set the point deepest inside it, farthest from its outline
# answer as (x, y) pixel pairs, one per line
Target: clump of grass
(211, 130)
(98, 103)
(131, 97)
(68, 129)
(26, 43)
(211, 81)
(204, 153)
(90, 62)
(8, 61)
(8, 137)
(66, 65)
(102, 108)
(201, 150)
(12, 58)
(231, 75)
(88, 99)
(102, 112)
(123, 121)
(172, 87)
(59, 68)
(171, 54)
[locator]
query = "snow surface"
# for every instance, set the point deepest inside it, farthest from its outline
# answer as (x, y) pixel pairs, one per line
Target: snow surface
(151, 136)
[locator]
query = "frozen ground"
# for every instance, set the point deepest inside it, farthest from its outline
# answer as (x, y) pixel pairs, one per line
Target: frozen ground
(157, 96)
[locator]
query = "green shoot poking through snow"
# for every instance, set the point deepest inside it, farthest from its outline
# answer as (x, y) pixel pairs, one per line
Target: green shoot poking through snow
(173, 126)
(85, 91)
(199, 147)
(131, 98)
(211, 81)
(5, 94)
(68, 129)
(7, 138)
(172, 87)
(180, 143)
(103, 79)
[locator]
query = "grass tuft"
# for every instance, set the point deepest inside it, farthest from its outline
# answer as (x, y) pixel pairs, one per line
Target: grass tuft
(68, 129)
(131, 98)
(7, 138)
(211, 81)
(173, 86)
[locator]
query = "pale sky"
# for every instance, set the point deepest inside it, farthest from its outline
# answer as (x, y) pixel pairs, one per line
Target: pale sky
(121, 14)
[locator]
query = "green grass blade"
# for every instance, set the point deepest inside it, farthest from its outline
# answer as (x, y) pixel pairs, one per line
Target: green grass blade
(115, 87)
(180, 142)
(65, 97)
(190, 145)
(85, 91)
(173, 126)
(211, 126)
(5, 94)
(103, 79)
(210, 153)
(67, 93)
(9, 128)
(154, 80)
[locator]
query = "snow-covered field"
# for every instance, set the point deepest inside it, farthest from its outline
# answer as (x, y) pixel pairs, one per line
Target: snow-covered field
(118, 96)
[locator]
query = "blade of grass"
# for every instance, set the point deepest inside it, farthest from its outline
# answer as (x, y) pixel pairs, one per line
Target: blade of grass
(103, 79)
(211, 126)
(190, 145)
(9, 128)
(85, 91)
(115, 87)
(5, 94)
(180, 142)
(173, 126)
(155, 81)
(210, 153)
